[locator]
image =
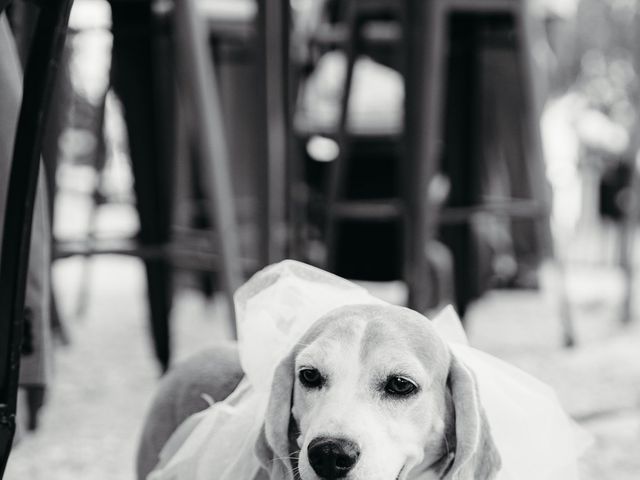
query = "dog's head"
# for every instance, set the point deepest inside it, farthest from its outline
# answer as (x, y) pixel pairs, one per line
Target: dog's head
(372, 392)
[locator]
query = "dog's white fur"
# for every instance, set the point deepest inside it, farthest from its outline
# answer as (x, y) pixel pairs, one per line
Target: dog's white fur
(439, 431)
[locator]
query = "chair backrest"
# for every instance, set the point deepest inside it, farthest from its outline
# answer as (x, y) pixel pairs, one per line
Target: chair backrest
(39, 79)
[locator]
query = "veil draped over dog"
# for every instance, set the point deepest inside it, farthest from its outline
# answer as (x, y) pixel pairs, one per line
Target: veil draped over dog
(535, 438)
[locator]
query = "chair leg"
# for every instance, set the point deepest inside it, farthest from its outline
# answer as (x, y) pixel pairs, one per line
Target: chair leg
(200, 219)
(202, 87)
(147, 109)
(35, 401)
(424, 64)
(159, 294)
(338, 171)
(273, 21)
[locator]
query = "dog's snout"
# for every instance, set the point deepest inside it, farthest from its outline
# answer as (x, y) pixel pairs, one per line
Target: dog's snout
(332, 457)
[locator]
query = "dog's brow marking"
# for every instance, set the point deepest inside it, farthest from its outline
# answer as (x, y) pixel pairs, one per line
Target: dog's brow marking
(380, 332)
(349, 328)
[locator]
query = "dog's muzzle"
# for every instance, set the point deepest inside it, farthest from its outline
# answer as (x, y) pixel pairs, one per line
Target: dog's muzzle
(332, 457)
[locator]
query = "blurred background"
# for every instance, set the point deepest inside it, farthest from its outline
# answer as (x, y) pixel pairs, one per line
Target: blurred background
(481, 153)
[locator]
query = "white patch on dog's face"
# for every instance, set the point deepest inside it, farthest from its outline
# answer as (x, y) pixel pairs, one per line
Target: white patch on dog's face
(364, 381)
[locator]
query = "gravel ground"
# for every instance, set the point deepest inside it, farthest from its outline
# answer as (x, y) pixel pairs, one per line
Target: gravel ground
(105, 378)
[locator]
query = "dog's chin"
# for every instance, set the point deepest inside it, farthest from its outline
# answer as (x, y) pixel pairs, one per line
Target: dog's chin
(348, 477)
(304, 474)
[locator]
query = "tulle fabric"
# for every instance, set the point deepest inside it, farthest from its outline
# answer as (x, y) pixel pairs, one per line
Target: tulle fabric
(536, 439)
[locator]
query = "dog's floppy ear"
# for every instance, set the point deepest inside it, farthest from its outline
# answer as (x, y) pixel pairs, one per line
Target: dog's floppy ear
(476, 456)
(273, 444)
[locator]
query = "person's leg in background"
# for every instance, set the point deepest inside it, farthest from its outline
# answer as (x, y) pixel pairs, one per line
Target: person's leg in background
(35, 364)
(139, 82)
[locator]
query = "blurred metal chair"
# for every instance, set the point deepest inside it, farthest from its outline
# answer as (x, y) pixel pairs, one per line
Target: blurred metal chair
(182, 38)
(444, 129)
(381, 29)
(165, 28)
(439, 45)
(39, 79)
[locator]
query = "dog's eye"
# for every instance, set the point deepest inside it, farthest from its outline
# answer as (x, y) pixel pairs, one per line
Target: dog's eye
(310, 377)
(399, 386)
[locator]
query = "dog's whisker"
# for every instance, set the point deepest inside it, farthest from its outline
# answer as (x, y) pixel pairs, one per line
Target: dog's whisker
(296, 470)
(293, 456)
(284, 458)
(296, 473)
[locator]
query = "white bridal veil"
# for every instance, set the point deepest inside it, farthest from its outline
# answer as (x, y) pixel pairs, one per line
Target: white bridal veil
(536, 439)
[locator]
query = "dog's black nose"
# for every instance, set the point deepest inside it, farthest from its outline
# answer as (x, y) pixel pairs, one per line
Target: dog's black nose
(332, 457)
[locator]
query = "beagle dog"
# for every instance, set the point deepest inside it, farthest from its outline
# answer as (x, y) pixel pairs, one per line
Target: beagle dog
(370, 392)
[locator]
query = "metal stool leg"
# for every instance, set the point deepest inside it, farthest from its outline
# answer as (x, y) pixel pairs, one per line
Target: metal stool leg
(338, 172)
(38, 84)
(139, 50)
(424, 37)
(214, 157)
(273, 52)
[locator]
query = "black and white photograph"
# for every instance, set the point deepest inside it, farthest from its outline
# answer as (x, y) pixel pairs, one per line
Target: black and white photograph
(319, 239)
